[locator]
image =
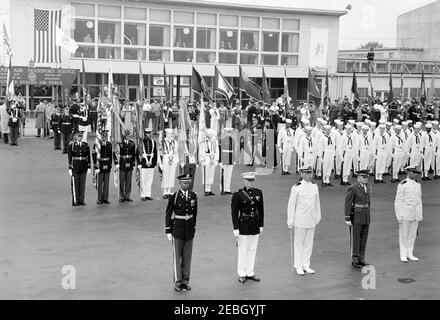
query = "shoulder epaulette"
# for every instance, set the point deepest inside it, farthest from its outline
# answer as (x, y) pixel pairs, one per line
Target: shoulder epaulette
(403, 182)
(298, 184)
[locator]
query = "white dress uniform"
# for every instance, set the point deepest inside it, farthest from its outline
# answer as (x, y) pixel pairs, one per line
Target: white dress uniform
(208, 157)
(306, 152)
(388, 134)
(170, 161)
(286, 145)
(436, 153)
(427, 143)
(415, 149)
(381, 150)
(364, 151)
(338, 140)
(348, 148)
(317, 133)
(327, 153)
(398, 152)
(405, 137)
(408, 207)
(304, 213)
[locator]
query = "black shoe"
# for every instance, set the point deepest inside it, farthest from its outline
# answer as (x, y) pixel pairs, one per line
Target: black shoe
(288, 173)
(165, 196)
(74, 205)
(222, 193)
(144, 199)
(428, 179)
(227, 192)
(149, 198)
(121, 200)
(371, 174)
(106, 202)
(177, 287)
(242, 280)
(381, 181)
(363, 263)
(330, 185)
(206, 194)
(128, 200)
(185, 287)
(337, 176)
(356, 265)
(82, 204)
(64, 152)
(253, 278)
(99, 202)
(283, 173)
(211, 193)
(436, 177)
(324, 185)
(376, 181)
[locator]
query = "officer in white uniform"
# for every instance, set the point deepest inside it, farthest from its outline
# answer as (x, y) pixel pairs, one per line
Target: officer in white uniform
(408, 207)
(436, 132)
(304, 214)
(209, 156)
(327, 153)
(398, 151)
(428, 152)
(286, 145)
(381, 150)
(147, 162)
(170, 160)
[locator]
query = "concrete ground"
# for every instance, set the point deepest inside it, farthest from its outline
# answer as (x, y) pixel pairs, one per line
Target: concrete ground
(120, 251)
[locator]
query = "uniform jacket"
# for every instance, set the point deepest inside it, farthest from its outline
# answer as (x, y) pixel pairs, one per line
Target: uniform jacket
(106, 157)
(55, 122)
(304, 208)
(66, 124)
(14, 117)
(178, 205)
(208, 151)
(408, 202)
(148, 152)
(227, 150)
(170, 151)
(247, 215)
(356, 195)
(127, 156)
(79, 157)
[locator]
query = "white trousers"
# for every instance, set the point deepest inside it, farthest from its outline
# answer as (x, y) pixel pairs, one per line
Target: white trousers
(168, 176)
(415, 158)
(397, 163)
(364, 160)
(247, 250)
(327, 166)
(407, 237)
(436, 163)
(147, 176)
(381, 162)
(348, 164)
(303, 247)
(227, 171)
(287, 158)
(209, 170)
(428, 162)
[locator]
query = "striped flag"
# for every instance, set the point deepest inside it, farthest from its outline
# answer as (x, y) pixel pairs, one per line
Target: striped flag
(45, 48)
(83, 81)
(6, 41)
(10, 87)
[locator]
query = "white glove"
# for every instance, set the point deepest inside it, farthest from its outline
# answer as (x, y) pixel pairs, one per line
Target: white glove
(290, 226)
(117, 167)
(261, 229)
(169, 236)
(182, 164)
(221, 165)
(97, 171)
(236, 233)
(348, 223)
(281, 151)
(88, 171)
(139, 166)
(70, 172)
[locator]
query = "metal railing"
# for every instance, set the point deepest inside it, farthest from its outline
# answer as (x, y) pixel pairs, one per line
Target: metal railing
(383, 66)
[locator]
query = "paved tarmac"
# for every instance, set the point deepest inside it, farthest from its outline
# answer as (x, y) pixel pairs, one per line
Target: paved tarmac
(120, 251)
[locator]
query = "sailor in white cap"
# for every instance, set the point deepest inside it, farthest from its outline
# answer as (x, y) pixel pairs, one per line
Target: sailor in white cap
(208, 157)
(364, 148)
(170, 159)
(436, 133)
(338, 135)
(380, 153)
(286, 145)
(247, 211)
(415, 148)
(409, 212)
(398, 151)
(388, 133)
(326, 154)
(307, 149)
(348, 154)
(427, 142)
(303, 215)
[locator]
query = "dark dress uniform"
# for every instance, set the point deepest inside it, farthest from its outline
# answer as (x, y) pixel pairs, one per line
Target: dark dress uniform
(180, 222)
(66, 128)
(105, 166)
(13, 124)
(55, 124)
(126, 161)
(357, 210)
(147, 158)
(79, 163)
(74, 111)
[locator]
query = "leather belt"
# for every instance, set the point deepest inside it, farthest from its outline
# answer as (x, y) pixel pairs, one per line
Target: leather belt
(183, 217)
(248, 215)
(79, 158)
(126, 157)
(365, 205)
(66, 123)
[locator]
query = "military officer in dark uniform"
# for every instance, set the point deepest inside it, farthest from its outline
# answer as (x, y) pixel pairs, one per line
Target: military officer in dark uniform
(125, 164)
(103, 166)
(79, 166)
(180, 227)
(66, 128)
(357, 216)
(74, 110)
(247, 210)
(55, 124)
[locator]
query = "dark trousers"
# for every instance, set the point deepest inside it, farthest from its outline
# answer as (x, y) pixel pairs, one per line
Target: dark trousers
(360, 236)
(103, 186)
(78, 185)
(189, 168)
(125, 184)
(66, 137)
(14, 134)
(182, 260)
(93, 120)
(57, 139)
(6, 138)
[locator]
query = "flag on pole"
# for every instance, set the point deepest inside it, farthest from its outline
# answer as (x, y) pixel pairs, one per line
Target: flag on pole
(83, 81)
(286, 88)
(168, 94)
(198, 84)
(10, 87)
(401, 82)
(141, 83)
(251, 88)
(265, 89)
(423, 89)
(45, 48)
(222, 86)
(370, 90)
(355, 92)
(326, 90)
(431, 93)
(6, 41)
(390, 92)
(312, 87)
(63, 40)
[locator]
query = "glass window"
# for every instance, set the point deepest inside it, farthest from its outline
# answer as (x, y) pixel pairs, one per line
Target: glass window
(159, 55)
(228, 21)
(230, 58)
(183, 17)
(184, 81)
(133, 80)
(249, 58)
(289, 60)
(93, 78)
(271, 23)
(228, 40)
(159, 36)
(183, 56)
(160, 15)
(83, 9)
(135, 34)
(207, 19)
(109, 12)
(109, 32)
(109, 53)
(134, 54)
(269, 59)
(135, 13)
(250, 22)
(205, 57)
(87, 52)
(206, 38)
(290, 42)
(291, 24)
(119, 78)
(183, 37)
(84, 30)
(249, 40)
(271, 41)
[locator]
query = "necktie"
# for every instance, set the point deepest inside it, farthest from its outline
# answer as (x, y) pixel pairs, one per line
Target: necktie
(310, 142)
(366, 141)
(417, 139)
(288, 133)
(329, 140)
(384, 141)
(430, 138)
(350, 142)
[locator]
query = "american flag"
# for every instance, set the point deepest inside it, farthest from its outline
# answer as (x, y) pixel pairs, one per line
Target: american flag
(6, 41)
(45, 23)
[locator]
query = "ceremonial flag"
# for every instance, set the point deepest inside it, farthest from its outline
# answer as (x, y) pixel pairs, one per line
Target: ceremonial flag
(401, 84)
(110, 82)
(141, 83)
(431, 93)
(6, 41)
(63, 40)
(167, 86)
(222, 86)
(45, 48)
(354, 91)
(10, 87)
(370, 90)
(83, 81)
(198, 84)
(326, 90)
(312, 87)
(265, 89)
(391, 93)
(423, 89)
(251, 88)
(286, 88)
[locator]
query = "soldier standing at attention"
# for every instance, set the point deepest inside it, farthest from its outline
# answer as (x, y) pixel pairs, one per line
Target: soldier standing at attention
(147, 162)
(55, 124)
(103, 166)
(180, 227)
(66, 128)
(357, 216)
(247, 210)
(126, 163)
(79, 166)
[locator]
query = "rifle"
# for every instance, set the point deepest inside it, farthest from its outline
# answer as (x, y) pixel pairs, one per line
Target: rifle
(222, 179)
(342, 167)
(72, 180)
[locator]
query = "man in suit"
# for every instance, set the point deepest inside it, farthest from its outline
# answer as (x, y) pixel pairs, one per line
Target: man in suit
(180, 228)
(357, 217)
(103, 166)
(125, 164)
(247, 211)
(147, 162)
(79, 166)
